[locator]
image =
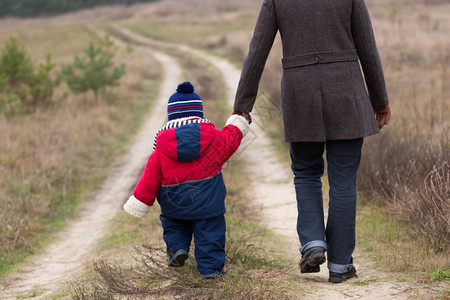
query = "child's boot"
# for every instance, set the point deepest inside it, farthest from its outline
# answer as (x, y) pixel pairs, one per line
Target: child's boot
(217, 274)
(177, 260)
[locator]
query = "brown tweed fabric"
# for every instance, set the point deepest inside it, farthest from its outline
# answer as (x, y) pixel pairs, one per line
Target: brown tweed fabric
(323, 92)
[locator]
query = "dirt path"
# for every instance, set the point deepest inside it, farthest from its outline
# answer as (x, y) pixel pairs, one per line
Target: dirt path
(273, 195)
(76, 243)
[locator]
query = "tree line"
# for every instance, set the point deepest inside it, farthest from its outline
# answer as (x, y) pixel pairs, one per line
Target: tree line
(33, 8)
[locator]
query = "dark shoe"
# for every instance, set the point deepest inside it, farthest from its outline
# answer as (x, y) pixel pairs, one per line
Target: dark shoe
(311, 259)
(341, 277)
(214, 275)
(177, 260)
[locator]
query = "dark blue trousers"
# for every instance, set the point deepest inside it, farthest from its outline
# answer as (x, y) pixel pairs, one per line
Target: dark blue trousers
(209, 240)
(343, 159)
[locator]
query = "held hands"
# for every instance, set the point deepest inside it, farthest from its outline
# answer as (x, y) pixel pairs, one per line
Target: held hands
(246, 115)
(382, 114)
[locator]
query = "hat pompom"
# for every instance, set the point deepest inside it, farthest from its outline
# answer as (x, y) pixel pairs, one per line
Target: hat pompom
(185, 88)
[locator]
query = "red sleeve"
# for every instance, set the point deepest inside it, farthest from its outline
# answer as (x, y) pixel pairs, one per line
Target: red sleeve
(150, 182)
(232, 134)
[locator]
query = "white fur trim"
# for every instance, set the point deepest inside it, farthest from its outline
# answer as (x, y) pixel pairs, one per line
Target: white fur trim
(135, 207)
(240, 122)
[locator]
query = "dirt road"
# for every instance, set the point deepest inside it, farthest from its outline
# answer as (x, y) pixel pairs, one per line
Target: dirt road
(272, 193)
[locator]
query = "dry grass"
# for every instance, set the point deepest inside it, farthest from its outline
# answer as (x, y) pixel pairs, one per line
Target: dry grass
(413, 178)
(148, 276)
(47, 159)
(408, 164)
(198, 23)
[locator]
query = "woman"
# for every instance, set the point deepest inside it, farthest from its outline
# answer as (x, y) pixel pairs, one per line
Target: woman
(325, 106)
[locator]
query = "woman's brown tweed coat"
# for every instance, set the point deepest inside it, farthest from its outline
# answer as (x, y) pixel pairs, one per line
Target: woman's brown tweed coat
(323, 93)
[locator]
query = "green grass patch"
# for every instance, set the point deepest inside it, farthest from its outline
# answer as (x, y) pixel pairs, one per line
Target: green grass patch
(62, 41)
(394, 245)
(441, 273)
(177, 33)
(363, 282)
(32, 293)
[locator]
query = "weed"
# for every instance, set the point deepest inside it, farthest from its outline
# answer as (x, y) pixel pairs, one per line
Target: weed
(34, 292)
(442, 273)
(363, 282)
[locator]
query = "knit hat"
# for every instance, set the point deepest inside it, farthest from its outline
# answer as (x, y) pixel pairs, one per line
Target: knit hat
(184, 103)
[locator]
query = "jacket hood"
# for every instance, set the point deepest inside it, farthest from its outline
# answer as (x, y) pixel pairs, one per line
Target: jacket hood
(187, 142)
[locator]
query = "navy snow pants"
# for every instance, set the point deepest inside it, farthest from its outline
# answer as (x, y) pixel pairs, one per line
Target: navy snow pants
(209, 240)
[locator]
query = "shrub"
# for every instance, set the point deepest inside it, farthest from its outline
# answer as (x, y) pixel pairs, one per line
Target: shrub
(412, 177)
(20, 87)
(15, 73)
(15, 64)
(95, 70)
(42, 85)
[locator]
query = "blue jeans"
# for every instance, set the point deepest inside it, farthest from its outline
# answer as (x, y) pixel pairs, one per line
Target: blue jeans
(209, 239)
(338, 238)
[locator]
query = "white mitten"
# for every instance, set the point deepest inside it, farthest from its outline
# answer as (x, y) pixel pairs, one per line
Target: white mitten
(135, 207)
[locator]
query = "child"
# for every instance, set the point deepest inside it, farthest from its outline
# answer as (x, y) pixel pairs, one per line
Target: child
(184, 173)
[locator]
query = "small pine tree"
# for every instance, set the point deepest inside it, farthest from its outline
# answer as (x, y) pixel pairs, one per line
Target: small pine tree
(42, 85)
(15, 64)
(15, 73)
(95, 70)
(21, 87)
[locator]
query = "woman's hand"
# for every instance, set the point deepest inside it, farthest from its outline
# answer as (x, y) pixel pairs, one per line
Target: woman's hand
(246, 115)
(382, 114)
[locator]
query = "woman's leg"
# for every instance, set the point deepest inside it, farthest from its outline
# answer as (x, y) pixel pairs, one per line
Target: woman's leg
(343, 159)
(308, 166)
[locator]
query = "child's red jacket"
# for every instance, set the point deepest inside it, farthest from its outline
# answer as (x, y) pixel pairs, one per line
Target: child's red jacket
(184, 171)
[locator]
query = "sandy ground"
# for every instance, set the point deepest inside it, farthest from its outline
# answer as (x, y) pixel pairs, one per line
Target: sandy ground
(272, 193)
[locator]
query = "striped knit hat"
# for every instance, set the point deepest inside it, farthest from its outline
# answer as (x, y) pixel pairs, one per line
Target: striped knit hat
(184, 103)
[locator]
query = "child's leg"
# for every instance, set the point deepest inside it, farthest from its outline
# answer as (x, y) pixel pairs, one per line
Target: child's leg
(209, 238)
(177, 234)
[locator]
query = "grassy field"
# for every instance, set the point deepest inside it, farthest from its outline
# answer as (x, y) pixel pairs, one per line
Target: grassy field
(53, 159)
(69, 146)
